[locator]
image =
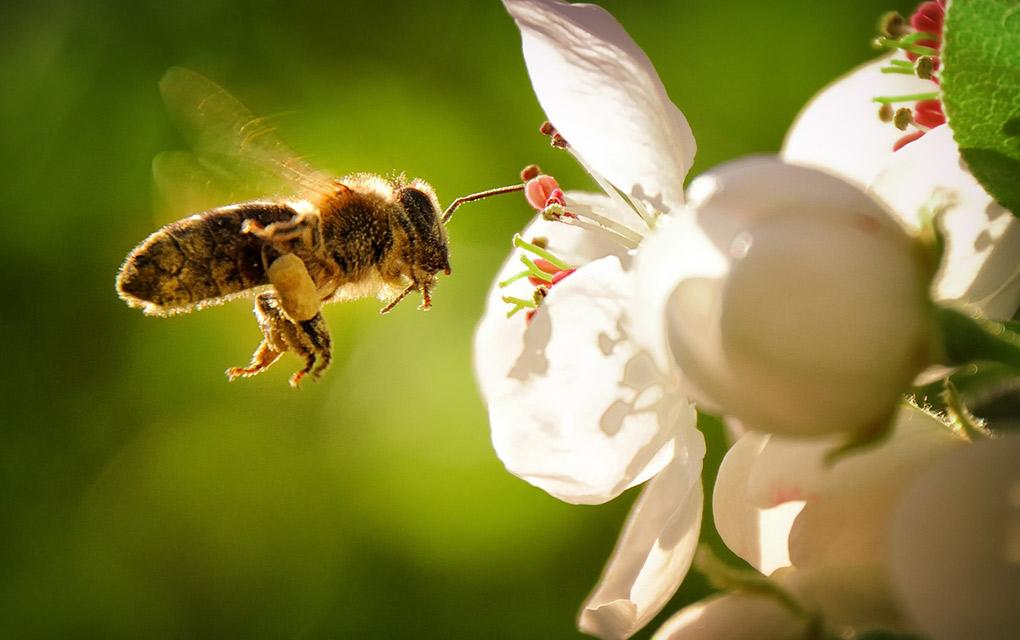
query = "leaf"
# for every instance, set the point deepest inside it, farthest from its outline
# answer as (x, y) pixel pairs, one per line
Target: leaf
(981, 92)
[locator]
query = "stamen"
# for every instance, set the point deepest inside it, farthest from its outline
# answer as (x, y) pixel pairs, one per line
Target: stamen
(912, 97)
(534, 269)
(520, 302)
(616, 195)
(627, 243)
(892, 25)
(902, 118)
(530, 172)
(907, 43)
(925, 67)
(541, 252)
(907, 71)
(585, 211)
(514, 278)
(885, 113)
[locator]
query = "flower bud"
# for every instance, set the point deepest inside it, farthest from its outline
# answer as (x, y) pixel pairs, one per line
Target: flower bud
(794, 302)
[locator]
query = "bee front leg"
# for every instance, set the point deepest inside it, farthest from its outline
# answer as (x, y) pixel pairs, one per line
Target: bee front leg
(308, 339)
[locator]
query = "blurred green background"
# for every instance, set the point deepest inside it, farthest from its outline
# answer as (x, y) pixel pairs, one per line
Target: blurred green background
(146, 497)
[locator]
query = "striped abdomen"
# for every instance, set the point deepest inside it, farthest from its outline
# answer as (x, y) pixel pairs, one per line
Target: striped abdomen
(201, 260)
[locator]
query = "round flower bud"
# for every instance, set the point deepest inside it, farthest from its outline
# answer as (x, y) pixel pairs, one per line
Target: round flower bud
(790, 299)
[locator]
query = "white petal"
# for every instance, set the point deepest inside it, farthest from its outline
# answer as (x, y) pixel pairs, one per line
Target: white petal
(848, 502)
(757, 534)
(852, 599)
(499, 341)
(981, 265)
(583, 413)
(955, 549)
(839, 130)
(676, 251)
(734, 617)
(600, 91)
(654, 551)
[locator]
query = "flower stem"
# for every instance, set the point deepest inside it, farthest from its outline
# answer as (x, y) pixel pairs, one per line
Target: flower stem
(967, 339)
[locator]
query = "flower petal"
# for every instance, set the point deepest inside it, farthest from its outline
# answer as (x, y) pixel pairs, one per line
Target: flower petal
(839, 130)
(955, 549)
(600, 91)
(654, 551)
(757, 534)
(980, 266)
(735, 617)
(499, 341)
(583, 413)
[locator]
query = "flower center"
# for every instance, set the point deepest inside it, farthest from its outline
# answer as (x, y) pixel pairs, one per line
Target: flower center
(921, 42)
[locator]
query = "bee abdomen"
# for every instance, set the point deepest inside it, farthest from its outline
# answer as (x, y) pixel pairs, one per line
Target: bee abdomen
(198, 261)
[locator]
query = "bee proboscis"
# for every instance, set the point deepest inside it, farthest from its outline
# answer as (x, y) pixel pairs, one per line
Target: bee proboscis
(330, 239)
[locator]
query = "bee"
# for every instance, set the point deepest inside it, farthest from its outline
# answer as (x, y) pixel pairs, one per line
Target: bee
(326, 240)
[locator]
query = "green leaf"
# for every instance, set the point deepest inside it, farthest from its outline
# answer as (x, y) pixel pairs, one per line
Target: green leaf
(981, 91)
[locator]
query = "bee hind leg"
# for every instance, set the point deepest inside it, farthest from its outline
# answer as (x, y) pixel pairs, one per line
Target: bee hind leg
(309, 339)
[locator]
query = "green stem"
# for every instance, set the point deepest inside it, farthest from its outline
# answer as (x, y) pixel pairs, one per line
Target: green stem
(968, 339)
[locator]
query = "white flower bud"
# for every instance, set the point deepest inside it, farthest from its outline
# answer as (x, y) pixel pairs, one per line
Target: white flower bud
(792, 300)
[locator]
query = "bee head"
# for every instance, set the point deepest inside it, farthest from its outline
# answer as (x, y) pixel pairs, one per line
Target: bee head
(431, 253)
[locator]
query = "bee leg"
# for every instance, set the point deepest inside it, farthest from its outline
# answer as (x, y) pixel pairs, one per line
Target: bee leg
(304, 227)
(309, 339)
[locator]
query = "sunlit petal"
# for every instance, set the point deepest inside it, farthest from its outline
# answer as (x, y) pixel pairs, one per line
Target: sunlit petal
(981, 265)
(582, 412)
(756, 532)
(734, 617)
(955, 549)
(601, 92)
(655, 549)
(839, 130)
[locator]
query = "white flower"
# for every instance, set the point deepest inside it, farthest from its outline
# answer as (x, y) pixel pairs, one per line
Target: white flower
(821, 529)
(788, 298)
(577, 407)
(735, 617)
(955, 544)
(839, 133)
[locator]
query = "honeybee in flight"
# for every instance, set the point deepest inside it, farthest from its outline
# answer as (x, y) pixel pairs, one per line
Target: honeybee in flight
(319, 239)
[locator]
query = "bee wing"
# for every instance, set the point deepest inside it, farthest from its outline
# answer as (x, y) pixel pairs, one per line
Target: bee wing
(236, 155)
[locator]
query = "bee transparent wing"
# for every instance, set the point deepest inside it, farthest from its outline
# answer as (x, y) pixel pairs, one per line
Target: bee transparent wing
(235, 155)
(185, 184)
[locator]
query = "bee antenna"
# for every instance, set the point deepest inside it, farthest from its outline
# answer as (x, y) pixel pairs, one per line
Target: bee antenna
(481, 195)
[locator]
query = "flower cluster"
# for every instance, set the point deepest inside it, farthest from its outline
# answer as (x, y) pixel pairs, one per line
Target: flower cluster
(797, 296)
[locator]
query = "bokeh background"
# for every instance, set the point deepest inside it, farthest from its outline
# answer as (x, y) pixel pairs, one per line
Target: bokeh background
(143, 495)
